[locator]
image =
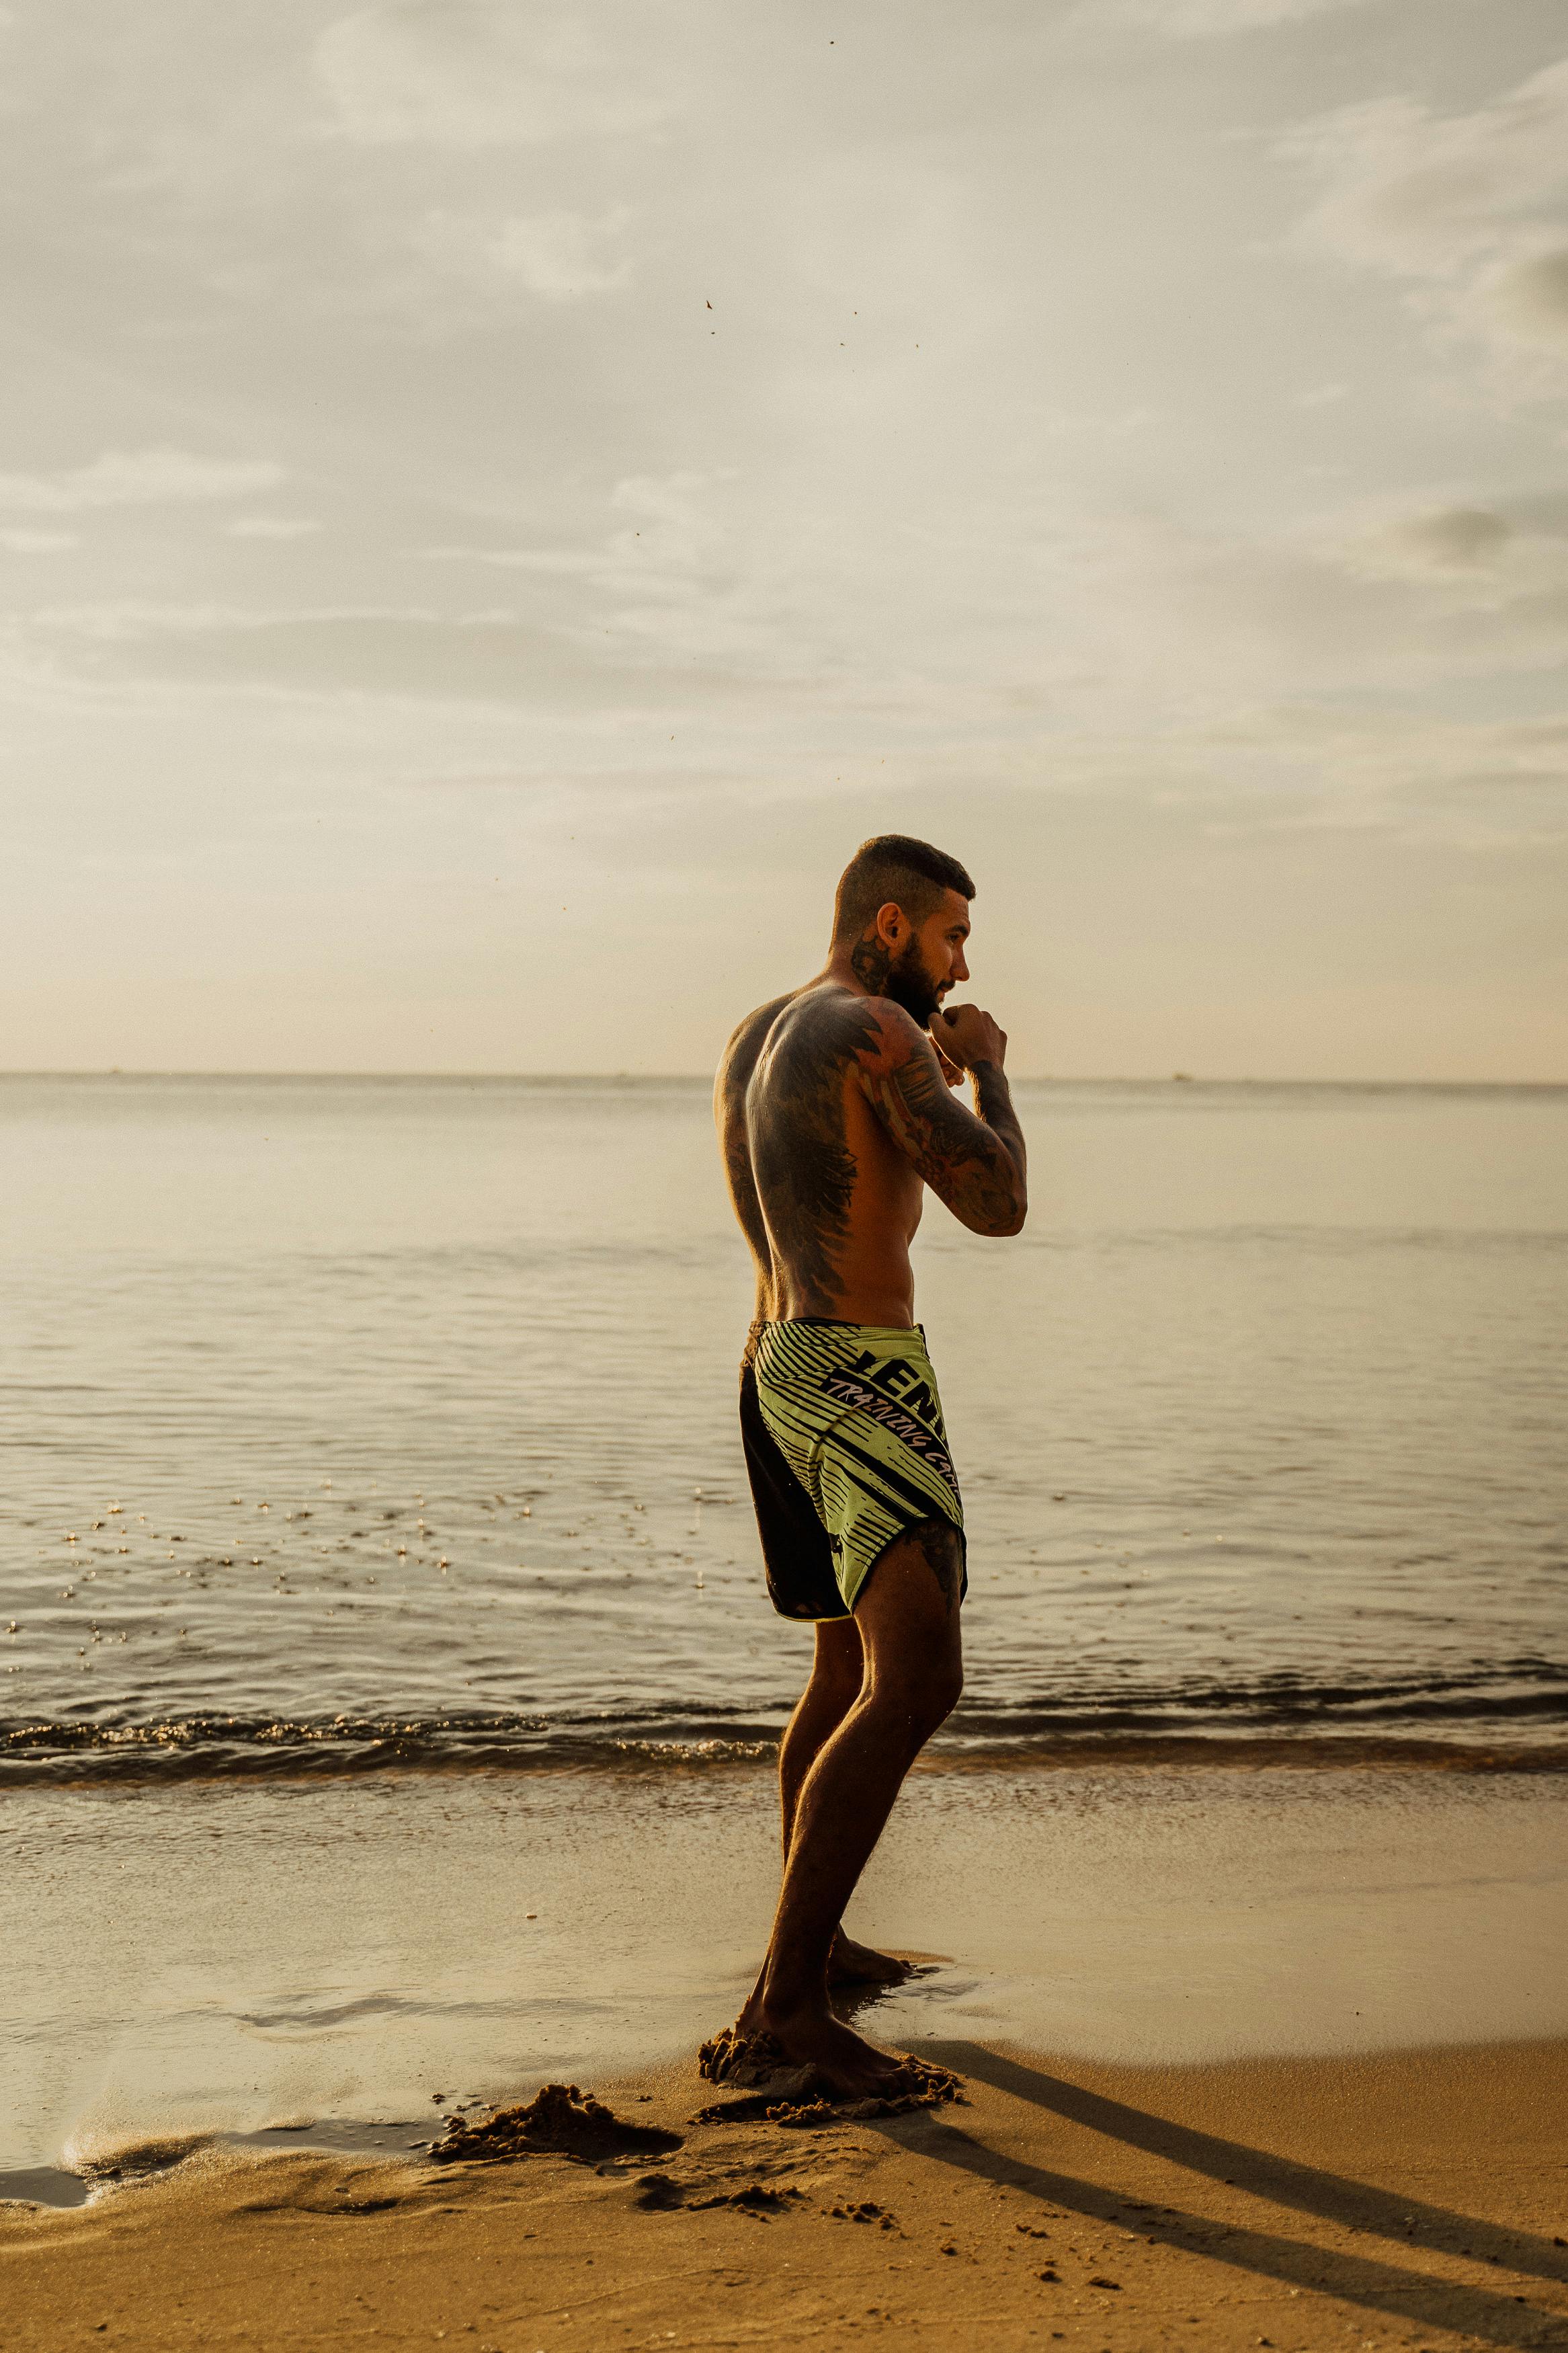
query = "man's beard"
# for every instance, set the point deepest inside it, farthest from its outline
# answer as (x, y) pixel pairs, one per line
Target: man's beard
(909, 985)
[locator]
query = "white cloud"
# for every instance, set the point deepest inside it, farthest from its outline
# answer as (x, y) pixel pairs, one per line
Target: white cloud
(1412, 191)
(136, 477)
(565, 562)
(131, 618)
(273, 526)
(556, 255)
(692, 575)
(1189, 20)
(1472, 208)
(37, 543)
(1479, 783)
(479, 73)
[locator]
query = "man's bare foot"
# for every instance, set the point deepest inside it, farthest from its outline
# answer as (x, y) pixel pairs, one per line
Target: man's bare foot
(849, 2067)
(742, 2055)
(852, 1964)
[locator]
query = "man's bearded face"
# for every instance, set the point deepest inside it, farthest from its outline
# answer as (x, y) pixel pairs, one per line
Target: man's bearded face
(908, 983)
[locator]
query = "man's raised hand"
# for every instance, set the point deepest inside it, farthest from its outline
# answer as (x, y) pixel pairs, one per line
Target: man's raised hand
(973, 1160)
(966, 1036)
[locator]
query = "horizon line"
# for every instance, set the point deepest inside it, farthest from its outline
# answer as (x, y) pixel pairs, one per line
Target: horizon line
(691, 1078)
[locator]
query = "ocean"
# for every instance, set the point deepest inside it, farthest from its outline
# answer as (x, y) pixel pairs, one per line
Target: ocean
(355, 1424)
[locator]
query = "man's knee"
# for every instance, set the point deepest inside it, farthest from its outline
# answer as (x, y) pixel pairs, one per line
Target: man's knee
(923, 1692)
(944, 1688)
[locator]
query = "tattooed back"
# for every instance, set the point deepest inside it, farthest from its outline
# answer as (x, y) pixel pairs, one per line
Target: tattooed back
(833, 1115)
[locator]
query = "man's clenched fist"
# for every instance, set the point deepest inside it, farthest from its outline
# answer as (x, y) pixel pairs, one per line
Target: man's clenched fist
(966, 1036)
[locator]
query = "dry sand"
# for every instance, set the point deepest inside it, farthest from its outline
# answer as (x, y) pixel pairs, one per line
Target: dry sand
(1406, 2200)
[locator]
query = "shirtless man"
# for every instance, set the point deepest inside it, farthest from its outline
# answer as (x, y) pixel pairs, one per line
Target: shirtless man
(835, 1113)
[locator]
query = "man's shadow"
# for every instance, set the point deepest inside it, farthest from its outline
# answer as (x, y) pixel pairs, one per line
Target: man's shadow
(1411, 2295)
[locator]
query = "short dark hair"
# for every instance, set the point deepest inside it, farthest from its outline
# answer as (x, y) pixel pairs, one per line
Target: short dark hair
(893, 866)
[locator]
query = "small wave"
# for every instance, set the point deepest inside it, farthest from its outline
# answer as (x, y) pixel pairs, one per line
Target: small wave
(1513, 1718)
(233, 1748)
(1526, 1692)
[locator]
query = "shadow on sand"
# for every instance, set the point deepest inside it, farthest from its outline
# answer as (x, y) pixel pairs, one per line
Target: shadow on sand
(1435, 2303)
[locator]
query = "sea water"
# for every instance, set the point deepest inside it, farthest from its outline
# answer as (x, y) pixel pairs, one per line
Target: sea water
(355, 1422)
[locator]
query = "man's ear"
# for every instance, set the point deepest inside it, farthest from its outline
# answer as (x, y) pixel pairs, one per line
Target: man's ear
(889, 923)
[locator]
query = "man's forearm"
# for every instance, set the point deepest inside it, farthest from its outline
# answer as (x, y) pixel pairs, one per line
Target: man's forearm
(993, 1104)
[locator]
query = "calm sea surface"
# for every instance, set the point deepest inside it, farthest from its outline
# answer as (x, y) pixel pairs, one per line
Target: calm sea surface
(353, 1421)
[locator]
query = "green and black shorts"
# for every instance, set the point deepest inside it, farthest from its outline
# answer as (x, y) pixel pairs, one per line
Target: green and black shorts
(846, 1450)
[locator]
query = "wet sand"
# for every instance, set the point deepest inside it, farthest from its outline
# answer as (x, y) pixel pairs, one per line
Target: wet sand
(1408, 2200)
(1305, 2039)
(222, 1957)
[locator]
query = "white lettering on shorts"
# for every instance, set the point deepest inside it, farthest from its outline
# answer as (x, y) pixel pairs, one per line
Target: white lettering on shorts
(851, 1390)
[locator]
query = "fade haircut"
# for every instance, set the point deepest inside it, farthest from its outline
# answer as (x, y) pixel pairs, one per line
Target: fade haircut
(894, 867)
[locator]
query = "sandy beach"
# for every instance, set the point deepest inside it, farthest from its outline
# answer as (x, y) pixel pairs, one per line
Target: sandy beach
(1414, 2199)
(1283, 2055)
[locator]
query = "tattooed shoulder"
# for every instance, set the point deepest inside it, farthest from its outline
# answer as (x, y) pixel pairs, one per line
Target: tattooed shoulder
(974, 1164)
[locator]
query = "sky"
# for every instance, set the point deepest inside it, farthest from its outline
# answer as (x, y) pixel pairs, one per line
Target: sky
(497, 500)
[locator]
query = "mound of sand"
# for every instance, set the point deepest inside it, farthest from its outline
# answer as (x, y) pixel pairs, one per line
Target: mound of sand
(559, 2121)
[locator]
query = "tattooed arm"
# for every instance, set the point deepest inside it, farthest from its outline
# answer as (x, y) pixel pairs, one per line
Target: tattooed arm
(974, 1161)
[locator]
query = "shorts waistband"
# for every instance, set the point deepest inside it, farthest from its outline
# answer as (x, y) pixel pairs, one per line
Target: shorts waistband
(840, 1324)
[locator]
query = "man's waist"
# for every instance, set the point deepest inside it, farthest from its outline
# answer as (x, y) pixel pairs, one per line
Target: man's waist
(841, 1324)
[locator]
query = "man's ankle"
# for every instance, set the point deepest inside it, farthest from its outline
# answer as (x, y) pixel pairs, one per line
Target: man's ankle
(785, 1992)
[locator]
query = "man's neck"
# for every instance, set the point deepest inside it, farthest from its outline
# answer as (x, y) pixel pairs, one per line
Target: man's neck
(860, 964)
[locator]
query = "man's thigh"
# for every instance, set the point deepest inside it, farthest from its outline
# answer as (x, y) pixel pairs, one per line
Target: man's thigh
(909, 1610)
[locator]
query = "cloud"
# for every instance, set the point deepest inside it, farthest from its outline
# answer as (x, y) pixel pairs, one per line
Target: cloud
(481, 73)
(560, 254)
(565, 562)
(136, 477)
(37, 543)
(273, 526)
(1469, 206)
(1476, 784)
(1456, 538)
(682, 579)
(1464, 589)
(556, 255)
(132, 617)
(488, 655)
(1191, 20)
(1532, 297)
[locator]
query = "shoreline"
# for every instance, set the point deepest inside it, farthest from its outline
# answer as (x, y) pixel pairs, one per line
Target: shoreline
(226, 1958)
(156, 1761)
(1412, 2199)
(1523, 1733)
